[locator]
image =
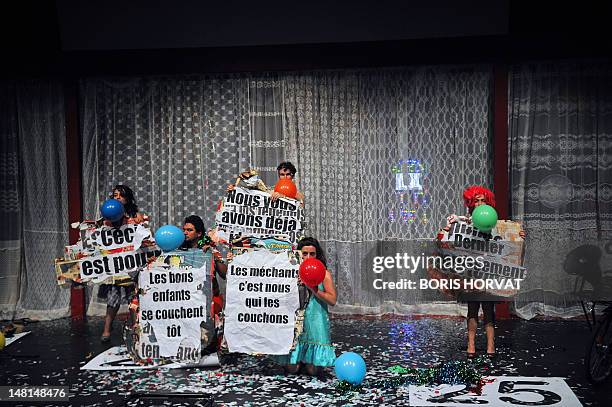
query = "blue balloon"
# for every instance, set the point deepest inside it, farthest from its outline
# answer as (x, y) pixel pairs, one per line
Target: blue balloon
(169, 237)
(112, 210)
(350, 367)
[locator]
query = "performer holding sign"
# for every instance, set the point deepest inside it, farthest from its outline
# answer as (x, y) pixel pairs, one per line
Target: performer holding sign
(116, 294)
(196, 238)
(314, 348)
(474, 197)
(263, 311)
(173, 320)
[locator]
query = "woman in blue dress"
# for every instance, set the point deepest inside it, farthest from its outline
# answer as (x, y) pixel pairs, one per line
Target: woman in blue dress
(314, 348)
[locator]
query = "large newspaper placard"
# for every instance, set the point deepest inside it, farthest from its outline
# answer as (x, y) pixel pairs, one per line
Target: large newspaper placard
(105, 254)
(173, 304)
(261, 302)
(498, 268)
(253, 213)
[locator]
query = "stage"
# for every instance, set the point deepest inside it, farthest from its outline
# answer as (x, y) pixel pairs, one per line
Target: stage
(56, 351)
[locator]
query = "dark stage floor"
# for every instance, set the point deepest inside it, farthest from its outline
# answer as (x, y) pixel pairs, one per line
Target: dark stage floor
(55, 351)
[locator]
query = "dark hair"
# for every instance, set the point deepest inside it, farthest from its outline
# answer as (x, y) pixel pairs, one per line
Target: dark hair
(287, 166)
(196, 221)
(130, 207)
(311, 241)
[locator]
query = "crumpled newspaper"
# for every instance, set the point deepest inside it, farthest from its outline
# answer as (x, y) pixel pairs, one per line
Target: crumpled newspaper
(250, 179)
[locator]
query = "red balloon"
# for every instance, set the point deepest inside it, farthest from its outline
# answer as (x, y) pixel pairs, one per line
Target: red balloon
(312, 272)
(286, 187)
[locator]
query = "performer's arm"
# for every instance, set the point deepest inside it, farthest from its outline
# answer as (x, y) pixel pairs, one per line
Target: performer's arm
(329, 294)
(220, 267)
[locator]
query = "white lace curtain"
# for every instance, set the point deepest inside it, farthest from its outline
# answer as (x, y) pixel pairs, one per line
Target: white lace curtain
(350, 130)
(34, 205)
(178, 141)
(561, 176)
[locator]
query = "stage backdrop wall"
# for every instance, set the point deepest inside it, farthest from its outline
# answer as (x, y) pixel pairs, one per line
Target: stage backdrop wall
(178, 142)
(33, 203)
(560, 147)
(10, 204)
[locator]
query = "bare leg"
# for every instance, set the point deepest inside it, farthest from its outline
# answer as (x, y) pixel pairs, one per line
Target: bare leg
(311, 370)
(472, 324)
(111, 312)
(134, 316)
(490, 329)
(292, 369)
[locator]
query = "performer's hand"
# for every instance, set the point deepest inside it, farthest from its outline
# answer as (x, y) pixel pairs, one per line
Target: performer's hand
(275, 195)
(147, 243)
(522, 234)
(229, 256)
(230, 187)
(452, 219)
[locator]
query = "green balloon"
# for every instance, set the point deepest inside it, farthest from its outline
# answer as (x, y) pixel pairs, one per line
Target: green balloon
(484, 217)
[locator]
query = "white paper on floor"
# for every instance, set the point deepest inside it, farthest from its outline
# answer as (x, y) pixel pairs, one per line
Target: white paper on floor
(15, 338)
(504, 391)
(117, 358)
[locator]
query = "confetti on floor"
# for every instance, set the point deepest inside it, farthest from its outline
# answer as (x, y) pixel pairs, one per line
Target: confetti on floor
(56, 351)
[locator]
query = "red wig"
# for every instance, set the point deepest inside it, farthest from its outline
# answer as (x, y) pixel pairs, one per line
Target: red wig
(470, 193)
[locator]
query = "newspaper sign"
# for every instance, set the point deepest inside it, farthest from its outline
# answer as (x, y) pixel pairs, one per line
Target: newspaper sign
(118, 358)
(173, 298)
(253, 213)
(261, 302)
(105, 253)
(498, 266)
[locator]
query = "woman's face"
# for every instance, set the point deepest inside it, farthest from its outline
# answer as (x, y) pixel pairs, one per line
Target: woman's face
(479, 200)
(117, 196)
(308, 252)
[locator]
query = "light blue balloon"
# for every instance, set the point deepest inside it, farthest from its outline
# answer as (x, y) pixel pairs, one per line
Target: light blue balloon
(350, 367)
(169, 237)
(112, 210)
